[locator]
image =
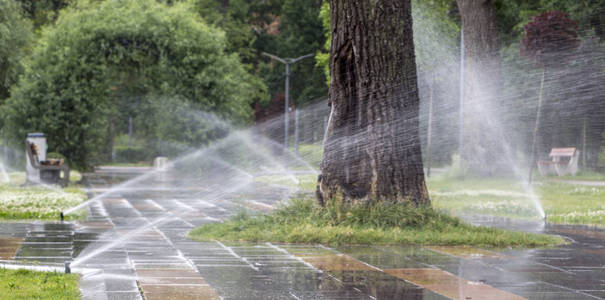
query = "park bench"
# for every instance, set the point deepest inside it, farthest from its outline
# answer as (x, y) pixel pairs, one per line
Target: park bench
(563, 161)
(50, 170)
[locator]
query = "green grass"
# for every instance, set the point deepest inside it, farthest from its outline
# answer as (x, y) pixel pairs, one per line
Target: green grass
(24, 284)
(304, 222)
(562, 202)
(573, 204)
(37, 203)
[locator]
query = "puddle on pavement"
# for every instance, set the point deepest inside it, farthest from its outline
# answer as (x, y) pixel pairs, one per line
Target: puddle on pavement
(465, 252)
(174, 284)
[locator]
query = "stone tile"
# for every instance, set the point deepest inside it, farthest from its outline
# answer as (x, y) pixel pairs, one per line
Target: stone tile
(451, 286)
(124, 296)
(337, 262)
(466, 252)
(178, 291)
(9, 247)
(178, 273)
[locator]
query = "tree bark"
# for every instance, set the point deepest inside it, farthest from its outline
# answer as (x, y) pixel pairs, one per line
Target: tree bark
(482, 80)
(372, 145)
(480, 31)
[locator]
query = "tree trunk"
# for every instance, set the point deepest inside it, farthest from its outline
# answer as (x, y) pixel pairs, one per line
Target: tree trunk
(372, 146)
(481, 84)
(480, 31)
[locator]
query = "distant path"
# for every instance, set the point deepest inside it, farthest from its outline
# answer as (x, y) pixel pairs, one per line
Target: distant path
(581, 182)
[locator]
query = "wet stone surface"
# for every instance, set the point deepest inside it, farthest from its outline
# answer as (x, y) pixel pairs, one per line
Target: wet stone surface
(135, 239)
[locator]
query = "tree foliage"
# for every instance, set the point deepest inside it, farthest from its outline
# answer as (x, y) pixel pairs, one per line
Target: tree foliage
(550, 38)
(43, 12)
(15, 37)
(95, 66)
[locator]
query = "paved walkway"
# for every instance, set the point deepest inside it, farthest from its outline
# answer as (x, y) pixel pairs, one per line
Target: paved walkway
(581, 182)
(135, 239)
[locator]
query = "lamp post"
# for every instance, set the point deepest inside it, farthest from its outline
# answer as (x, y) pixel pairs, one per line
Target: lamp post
(287, 62)
(462, 82)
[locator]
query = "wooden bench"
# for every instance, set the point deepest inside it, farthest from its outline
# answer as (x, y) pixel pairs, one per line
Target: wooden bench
(563, 161)
(50, 170)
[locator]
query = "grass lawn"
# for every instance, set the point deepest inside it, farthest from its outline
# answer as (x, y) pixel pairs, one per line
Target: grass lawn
(24, 284)
(35, 202)
(562, 202)
(304, 222)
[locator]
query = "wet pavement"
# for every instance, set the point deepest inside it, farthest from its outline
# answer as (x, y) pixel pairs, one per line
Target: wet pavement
(135, 240)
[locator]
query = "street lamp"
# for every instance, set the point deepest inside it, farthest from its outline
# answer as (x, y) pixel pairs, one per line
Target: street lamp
(287, 62)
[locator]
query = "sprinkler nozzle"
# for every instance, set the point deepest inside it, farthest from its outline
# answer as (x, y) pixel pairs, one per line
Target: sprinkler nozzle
(62, 216)
(67, 267)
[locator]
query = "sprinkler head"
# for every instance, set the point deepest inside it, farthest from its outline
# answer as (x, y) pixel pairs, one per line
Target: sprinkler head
(67, 267)
(62, 217)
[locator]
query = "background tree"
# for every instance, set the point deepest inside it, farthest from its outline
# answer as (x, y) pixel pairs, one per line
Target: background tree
(478, 22)
(43, 12)
(372, 146)
(95, 66)
(481, 86)
(589, 14)
(283, 27)
(15, 38)
(549, 40)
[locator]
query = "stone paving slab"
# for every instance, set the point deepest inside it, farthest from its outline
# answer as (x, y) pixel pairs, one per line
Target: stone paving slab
(466, 252)
(451, 286)
(9, 247)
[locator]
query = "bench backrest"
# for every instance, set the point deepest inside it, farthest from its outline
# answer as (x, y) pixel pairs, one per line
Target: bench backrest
(32, 152)
(562, 152)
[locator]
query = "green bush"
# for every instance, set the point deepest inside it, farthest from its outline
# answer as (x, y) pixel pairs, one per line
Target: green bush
(104, 61)
(54, 155)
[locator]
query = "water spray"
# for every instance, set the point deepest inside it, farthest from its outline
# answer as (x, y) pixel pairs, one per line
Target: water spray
(67, 267)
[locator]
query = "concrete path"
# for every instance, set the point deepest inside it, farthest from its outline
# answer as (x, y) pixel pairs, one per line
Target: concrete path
(581, 182)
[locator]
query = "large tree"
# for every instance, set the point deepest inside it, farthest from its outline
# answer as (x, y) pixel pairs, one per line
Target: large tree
(372, 146)
(480, 32)
(481, 134)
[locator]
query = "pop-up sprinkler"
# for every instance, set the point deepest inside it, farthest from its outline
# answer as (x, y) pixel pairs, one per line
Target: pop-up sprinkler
(62, 217)
(67, 267)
